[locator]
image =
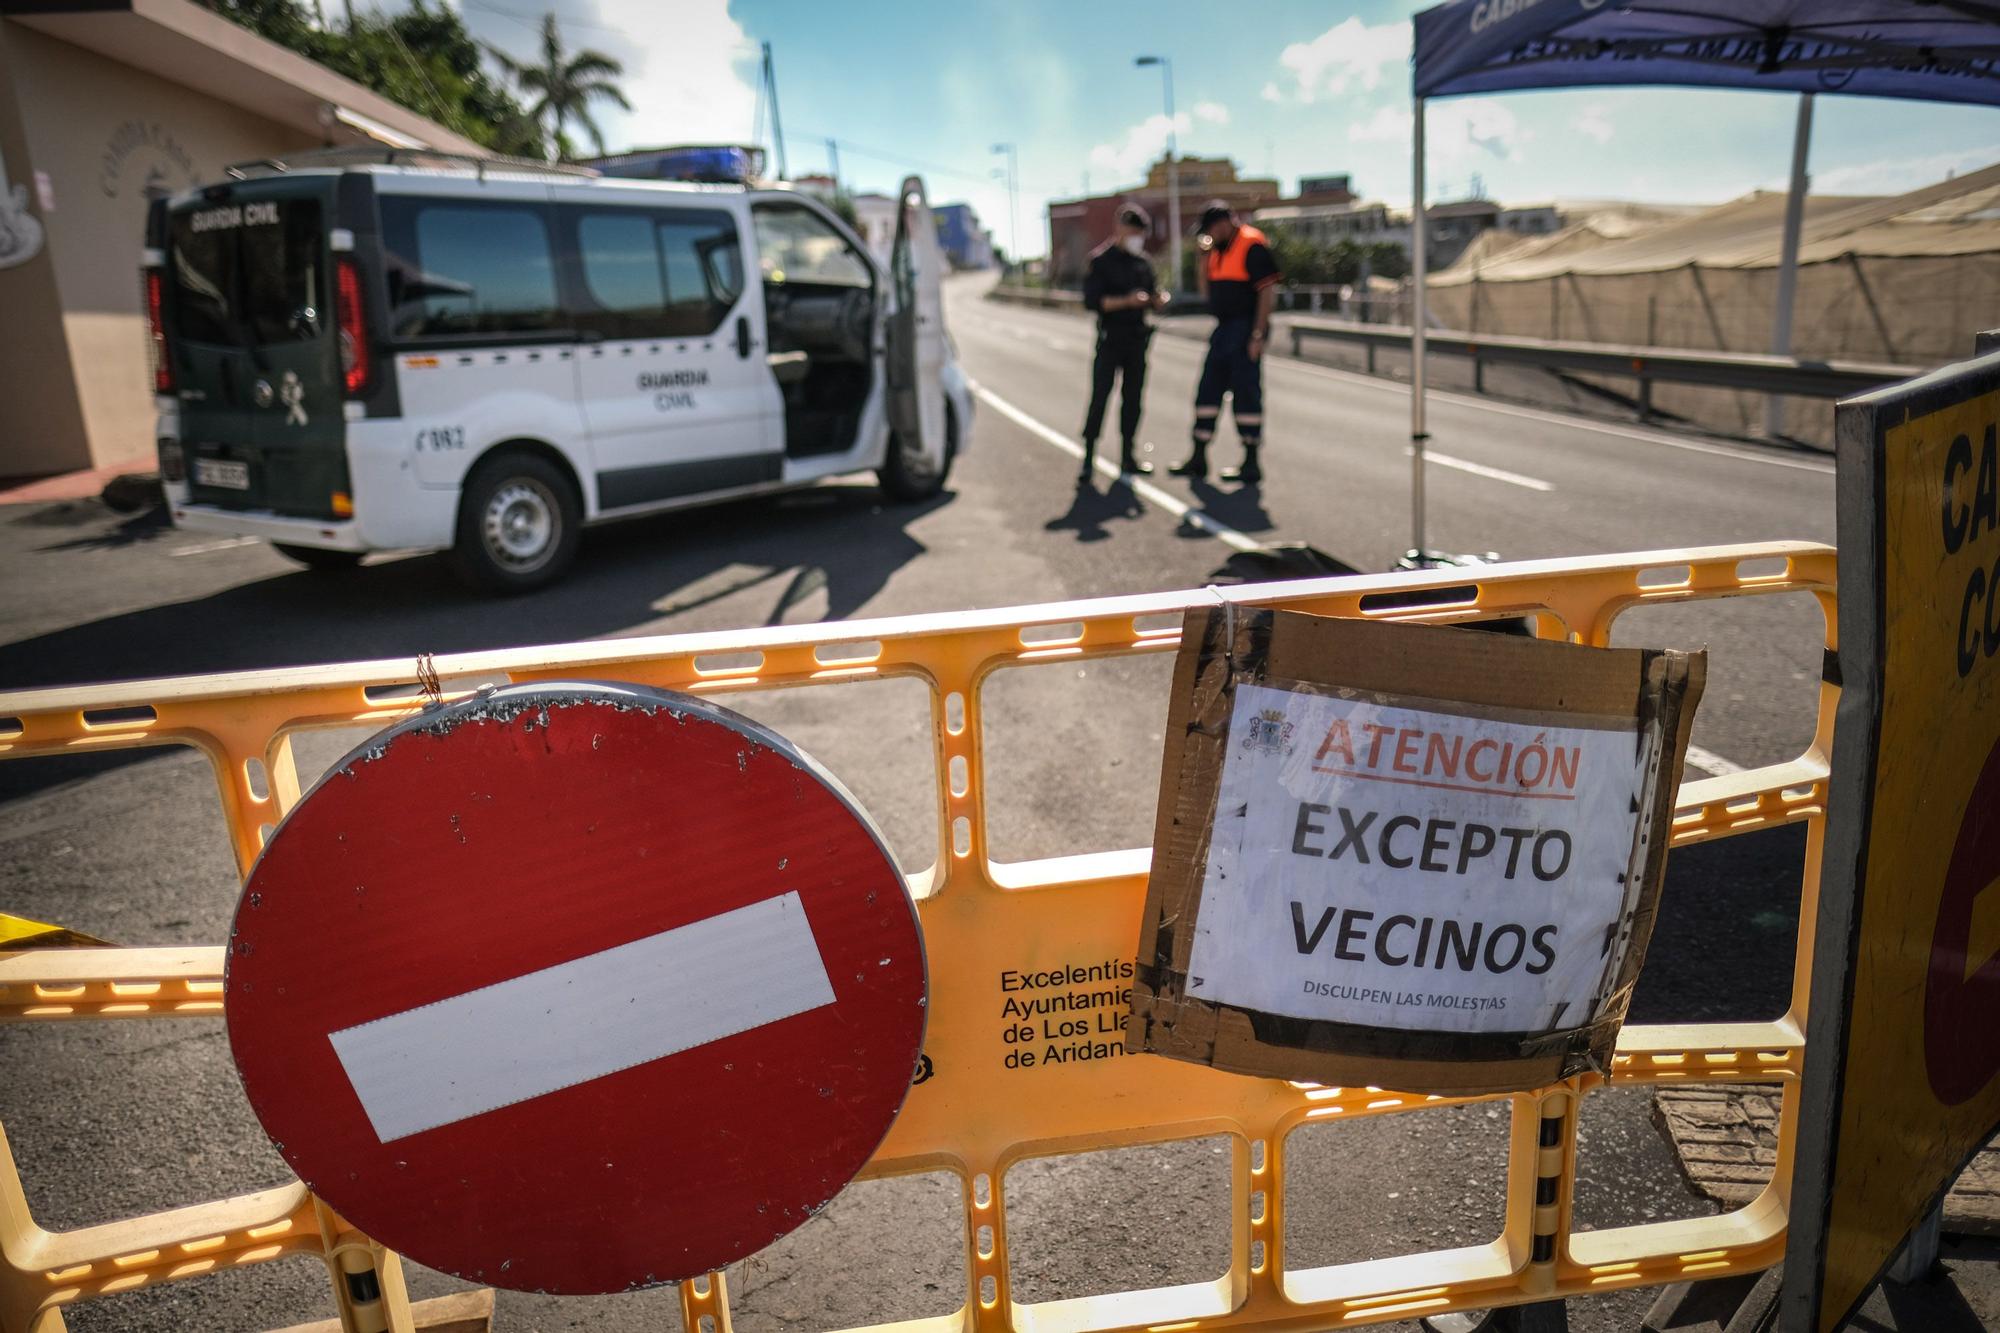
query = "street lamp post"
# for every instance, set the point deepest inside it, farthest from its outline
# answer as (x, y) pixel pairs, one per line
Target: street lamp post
(1013, 200)
(1173, 171)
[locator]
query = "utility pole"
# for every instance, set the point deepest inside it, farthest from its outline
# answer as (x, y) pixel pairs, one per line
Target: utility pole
(833, 163)
(1013, 199)
(777, 124)
(1173, 172)
(1788, 259)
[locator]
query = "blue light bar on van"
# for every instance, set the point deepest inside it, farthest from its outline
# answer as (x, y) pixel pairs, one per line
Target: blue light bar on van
(716, 165)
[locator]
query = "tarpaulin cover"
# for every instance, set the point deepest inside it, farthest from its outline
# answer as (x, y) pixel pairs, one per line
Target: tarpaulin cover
(1935, 51)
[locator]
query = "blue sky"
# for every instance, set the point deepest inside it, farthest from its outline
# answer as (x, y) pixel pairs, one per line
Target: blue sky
(1284, 87)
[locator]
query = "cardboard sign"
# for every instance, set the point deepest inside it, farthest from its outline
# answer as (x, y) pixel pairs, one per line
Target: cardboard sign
(1902, 1076)
(1406, 856)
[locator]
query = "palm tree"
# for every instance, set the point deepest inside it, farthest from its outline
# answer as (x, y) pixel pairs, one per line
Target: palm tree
(564, 86)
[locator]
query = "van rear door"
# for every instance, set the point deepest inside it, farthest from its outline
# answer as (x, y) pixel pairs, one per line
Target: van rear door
(247, 304)
(916, 330)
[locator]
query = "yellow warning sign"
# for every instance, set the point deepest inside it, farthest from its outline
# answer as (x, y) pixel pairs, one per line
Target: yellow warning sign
(17, 932)
(1903, 1050)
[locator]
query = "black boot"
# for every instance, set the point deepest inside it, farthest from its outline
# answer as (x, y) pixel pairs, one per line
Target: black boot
(1089, 463)
(1249, 474)
(1195, 465)
(1128, 461)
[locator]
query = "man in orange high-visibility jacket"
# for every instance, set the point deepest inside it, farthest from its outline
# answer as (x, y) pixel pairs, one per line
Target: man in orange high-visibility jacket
(1242, 280)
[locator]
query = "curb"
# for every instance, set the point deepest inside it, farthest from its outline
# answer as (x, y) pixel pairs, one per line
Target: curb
(1726, 1138)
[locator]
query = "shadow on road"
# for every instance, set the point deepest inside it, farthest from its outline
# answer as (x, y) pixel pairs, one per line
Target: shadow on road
(1090, 508)
(842, 540)
(1242, 509)
(144, 526)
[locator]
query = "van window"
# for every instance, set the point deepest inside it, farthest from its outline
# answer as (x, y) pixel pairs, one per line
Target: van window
(458, 269)
(248, 272)
(797, 245)
(621, 262)
(657, 274)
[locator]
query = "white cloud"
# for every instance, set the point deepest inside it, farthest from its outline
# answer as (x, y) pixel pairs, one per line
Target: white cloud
(690, 71)
(1389, 124)
(1350, 54)
(1215, 113)
(1895, 175)
(1142, 145)
(1595, 122)
(1272, 93)
(1454, 130)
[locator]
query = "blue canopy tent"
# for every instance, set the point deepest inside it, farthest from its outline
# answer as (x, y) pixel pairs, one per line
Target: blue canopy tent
(1928, 50)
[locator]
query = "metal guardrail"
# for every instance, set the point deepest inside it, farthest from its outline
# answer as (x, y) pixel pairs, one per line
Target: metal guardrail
(1057, 917)
(1750, 371)
(1044, 296)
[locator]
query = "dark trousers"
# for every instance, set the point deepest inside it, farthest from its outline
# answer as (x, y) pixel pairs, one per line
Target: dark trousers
(1121, 351)
(1230, 370)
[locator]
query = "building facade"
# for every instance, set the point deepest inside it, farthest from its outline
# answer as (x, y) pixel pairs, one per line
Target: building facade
(965, 243)
(1361, 222)
(1078, 226)
(1450, 227)
(875, 218)
(104, 106)
(1334, 189)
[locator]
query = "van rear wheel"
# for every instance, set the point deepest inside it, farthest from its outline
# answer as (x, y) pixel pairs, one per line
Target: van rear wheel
(519, 520)
(318, 559)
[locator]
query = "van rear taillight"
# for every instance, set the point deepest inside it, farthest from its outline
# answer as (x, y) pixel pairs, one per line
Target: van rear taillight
(163, 369)
(354, 359)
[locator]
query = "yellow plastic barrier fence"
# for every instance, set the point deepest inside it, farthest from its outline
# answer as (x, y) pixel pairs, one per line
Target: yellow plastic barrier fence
(1051, 922)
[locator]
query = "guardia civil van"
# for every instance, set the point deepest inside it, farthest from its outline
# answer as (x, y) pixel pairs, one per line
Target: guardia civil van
(388, 351)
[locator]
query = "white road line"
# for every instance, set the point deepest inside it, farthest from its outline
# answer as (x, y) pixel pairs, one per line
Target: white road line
(1481, 470)
(581, 1020)
(1712, 763)
(226, 544)
(1402, 389)
(1144, 489)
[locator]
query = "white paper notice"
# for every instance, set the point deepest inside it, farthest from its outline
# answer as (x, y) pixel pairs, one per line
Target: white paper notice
(1400, 868)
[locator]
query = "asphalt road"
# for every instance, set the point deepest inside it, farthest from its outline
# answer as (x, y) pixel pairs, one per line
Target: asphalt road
(112, 1119)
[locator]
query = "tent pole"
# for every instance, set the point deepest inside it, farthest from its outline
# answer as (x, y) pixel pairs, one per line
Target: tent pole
(1419, 316)
(1788, 260)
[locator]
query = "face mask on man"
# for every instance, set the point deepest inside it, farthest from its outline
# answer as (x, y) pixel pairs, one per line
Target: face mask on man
(1135, 243)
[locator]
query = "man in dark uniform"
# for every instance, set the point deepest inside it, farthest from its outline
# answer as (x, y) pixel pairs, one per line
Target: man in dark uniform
(1121, 289)
(1242, 279)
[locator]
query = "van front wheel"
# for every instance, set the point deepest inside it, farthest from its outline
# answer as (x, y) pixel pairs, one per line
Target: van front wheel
(518, 524)
(906, 474)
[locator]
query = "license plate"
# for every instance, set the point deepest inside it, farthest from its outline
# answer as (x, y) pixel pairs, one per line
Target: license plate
(222, 473)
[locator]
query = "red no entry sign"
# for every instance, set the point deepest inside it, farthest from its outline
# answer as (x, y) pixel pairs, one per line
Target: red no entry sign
(576, 988)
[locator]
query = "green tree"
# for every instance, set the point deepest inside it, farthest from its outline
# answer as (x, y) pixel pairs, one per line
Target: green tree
(1387, 260)
(422, 58)
(563, 86)
(285, 22)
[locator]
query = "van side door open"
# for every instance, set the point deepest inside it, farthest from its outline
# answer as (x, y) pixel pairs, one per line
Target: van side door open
(820, 297)
(916, 331)
(671, 371)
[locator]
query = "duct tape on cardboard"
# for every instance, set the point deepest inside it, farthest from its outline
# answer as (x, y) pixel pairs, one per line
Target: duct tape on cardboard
(1405, 856)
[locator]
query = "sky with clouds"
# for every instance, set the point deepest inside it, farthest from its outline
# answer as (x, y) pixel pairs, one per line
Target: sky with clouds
(1285, 87)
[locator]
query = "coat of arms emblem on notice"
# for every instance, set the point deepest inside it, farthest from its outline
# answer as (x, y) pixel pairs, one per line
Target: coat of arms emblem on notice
(1269, 732)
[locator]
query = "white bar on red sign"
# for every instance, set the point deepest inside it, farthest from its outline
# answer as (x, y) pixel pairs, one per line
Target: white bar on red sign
(581, 1020)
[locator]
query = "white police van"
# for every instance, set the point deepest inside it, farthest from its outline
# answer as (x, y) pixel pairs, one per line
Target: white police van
(419, 354)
